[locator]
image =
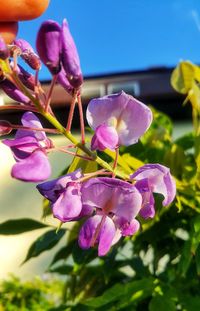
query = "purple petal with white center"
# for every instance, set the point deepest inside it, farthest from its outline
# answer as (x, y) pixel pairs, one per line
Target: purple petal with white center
(48, 45)
(34, 168)
(68, 205)
(111, 195)
(70, 58)
(104, 137)
(53, 188)
(159, 180)
(130, 117)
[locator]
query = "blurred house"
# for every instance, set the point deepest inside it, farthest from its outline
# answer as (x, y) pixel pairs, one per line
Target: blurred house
(150, 86)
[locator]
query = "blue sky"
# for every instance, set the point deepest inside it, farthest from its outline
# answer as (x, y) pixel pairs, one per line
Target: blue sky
(121, 35)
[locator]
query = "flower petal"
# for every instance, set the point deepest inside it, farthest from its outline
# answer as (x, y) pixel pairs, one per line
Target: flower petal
(111, 195)
(52, 189)
(130, 117)
(104, 137)
(87, 231)
(34, 168)
(13, 92)
(147, 210)
(97, 230)
(22, 147)
(68, 205)
(159, 180)
(106, 236)
(126, 228)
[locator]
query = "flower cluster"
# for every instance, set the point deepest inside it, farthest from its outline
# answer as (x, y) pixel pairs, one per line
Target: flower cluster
(110, 206)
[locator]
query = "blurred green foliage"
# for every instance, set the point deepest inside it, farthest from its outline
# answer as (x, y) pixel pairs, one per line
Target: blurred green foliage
(35, 295)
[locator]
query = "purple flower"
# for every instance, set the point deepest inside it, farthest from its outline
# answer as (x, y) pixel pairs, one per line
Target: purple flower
(115, 203)
(13, 92)
(117, 119)
(29, 150)
(154, 178)
(64, 193)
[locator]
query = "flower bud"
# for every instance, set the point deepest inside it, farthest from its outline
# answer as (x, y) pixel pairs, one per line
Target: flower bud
(63, 81)
(28, 54)
(13, 92)
(27, 78)
(48, 45)
(4, 52)
(5, 127)
(70, 58)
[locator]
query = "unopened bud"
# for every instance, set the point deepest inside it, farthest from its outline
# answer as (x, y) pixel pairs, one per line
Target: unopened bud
(28, 54)
(48, 45)
(70, 58)
(5, 127)
(13, 92)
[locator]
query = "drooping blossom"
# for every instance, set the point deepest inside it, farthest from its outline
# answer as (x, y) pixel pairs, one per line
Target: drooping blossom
(58, 52)
(154, 178)
(29, 149)
(64, 193)
(117, 119)
(115, 204)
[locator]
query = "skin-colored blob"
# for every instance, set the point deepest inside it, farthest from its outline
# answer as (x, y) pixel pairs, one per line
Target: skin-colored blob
(8, 31)
(12, 11)
(21, 10)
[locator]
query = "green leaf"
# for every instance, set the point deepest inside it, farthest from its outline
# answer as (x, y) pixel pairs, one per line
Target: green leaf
(183, 76)
(191, 303)
(133, 162)
(197, 259)
(196, 224)
(81, 256)
(161, 302)
(17, 226)
(186, 141)
(85, 165)
(186, 257)
(45, 242)
(63, 269)
(63, 253)
(130, 291)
